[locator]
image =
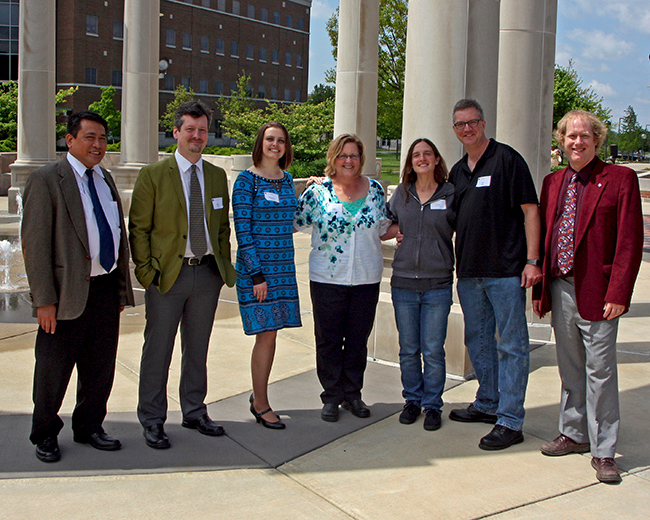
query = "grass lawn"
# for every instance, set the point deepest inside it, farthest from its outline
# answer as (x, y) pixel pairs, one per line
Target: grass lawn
(389, 165)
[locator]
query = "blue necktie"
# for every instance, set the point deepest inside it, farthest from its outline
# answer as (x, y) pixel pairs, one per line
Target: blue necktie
(106, 246)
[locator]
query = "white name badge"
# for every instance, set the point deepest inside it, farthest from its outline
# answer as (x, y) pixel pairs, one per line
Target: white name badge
(439, 204)
(217, 202)
(483, 182)
(335, 208)
(271, 197)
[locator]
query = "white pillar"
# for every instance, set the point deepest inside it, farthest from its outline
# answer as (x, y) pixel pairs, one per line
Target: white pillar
(355, 109)
(526, 75)
(139, 92)
(36, 89)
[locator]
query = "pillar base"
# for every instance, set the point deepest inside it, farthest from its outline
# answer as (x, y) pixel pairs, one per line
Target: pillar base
(20, 170)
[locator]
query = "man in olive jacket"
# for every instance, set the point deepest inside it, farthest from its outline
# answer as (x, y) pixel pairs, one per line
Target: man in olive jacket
(180, 239)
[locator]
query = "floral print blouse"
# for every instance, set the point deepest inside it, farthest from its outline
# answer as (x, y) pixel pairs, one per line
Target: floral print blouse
(346, 249)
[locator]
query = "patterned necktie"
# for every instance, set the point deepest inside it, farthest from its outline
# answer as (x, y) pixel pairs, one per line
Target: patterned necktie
(197, 226)
(106, 246)
(567, 227)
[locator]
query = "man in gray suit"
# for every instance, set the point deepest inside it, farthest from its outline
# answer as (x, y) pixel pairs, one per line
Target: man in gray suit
(77, 262)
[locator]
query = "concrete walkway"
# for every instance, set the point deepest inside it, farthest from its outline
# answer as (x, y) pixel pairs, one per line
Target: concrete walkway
(367, 469)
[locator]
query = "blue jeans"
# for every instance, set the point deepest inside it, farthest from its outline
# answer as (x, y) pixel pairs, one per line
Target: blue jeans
(421, 318)
(501, 369)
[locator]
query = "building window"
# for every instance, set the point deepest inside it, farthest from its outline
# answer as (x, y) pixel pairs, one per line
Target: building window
(287, 94)
(249, 52)
(203, 86)
(116, 78)
(205, 3)
(235, 7)
(234, 49)
(289, 21)
(274, 92)
(91, 26)
(221, 5)
(276, 17)
(91, 75)
(301, 24)
(185, 81)
(187, 41)
(233, 88)
(218, 87)
(298, 96)
(287, 59)
(170, 38)
(220, 46)
(264, 14)
(263, 54)
(205, 44)
(299, 61)
(118, 30)
(170, 84)
(275, 57)
(261, 92)
(251, 11)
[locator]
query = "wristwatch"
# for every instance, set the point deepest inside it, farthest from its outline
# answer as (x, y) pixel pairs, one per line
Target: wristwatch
(534, 261)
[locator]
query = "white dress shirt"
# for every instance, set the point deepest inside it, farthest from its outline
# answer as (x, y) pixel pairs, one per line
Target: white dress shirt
(109, 206)
(185, 168)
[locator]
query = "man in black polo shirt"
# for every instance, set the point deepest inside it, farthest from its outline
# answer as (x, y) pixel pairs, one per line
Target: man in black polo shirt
(497, 251)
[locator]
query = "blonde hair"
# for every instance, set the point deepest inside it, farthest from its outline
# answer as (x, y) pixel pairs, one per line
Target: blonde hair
(598, 128)
(335, 148)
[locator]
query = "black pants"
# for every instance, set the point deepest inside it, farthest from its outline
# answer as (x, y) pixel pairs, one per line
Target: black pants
(90, 343)
(343, 319)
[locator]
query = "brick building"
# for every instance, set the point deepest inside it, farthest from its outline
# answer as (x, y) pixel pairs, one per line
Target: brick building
(207, 44)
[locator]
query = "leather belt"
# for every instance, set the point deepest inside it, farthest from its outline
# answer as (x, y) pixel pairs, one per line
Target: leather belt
(195, 260)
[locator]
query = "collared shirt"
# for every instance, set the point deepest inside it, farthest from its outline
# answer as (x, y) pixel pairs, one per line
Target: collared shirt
(583, 179)
(185, 168)
(109, 206)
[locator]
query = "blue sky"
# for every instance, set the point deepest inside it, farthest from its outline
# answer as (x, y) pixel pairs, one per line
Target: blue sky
(608, 41)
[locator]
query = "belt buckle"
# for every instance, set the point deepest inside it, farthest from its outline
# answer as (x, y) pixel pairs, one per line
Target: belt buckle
(194, 261)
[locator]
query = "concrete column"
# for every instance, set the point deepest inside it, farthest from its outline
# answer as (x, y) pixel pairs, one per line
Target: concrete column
(36, 89)
(355, 109)
(139, 92)
(526, 75)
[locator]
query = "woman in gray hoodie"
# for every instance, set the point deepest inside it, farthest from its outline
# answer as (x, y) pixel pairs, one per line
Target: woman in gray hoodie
(423, 208)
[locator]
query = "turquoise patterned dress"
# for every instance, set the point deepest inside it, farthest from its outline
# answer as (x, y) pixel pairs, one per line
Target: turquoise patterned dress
(263, 212)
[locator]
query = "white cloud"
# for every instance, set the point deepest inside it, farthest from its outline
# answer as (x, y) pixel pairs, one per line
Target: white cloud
(322, 9)
(600, 45)
(602, 89)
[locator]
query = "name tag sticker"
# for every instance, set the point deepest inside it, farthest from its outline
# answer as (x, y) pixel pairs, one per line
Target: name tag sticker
(335, 208)
(217, 202)
(271, 197)
(483, 182)
(439, 204)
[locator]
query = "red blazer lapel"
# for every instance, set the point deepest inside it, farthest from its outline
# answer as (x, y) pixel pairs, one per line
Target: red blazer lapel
(593, 191)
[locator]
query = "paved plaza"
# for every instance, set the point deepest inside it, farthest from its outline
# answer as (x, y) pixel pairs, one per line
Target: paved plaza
(357, 468)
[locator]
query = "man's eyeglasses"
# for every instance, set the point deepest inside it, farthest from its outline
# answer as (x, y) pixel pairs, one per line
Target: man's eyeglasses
(459, 125)
(344, 157)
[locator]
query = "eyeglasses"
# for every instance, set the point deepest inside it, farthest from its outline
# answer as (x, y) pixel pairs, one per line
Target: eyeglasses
(344, 157)
(459, 125)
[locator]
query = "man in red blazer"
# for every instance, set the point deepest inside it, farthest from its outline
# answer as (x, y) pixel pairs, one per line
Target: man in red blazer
(593, 242)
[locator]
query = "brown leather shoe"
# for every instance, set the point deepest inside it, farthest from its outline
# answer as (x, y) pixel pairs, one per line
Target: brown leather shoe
(606, 470)
(562, 445)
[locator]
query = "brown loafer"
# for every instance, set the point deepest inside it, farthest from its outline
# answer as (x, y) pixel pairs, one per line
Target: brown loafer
(563, 445)
(606, 470)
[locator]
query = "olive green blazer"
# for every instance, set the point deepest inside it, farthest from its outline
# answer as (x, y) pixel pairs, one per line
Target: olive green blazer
(158, 223)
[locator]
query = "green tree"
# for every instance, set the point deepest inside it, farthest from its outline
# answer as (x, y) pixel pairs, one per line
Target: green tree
(392, 64)
(9, 114)
(105, 107)
(181, 95)
(629, 137)
(569, 94)
(321, 93)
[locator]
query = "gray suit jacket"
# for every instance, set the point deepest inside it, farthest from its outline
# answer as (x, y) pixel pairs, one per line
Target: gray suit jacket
(55, 241)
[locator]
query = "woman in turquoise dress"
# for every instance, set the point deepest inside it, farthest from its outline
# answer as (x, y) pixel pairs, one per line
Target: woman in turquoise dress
(264, 203)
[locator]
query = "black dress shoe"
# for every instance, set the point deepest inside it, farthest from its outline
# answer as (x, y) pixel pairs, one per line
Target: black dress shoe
(48, 450)
(99, 441)
(357, 407)
(330, 412)
(156, 438)
(500, 438)
(204, 425)
(471, 414)
(277, 425)
(432, 420)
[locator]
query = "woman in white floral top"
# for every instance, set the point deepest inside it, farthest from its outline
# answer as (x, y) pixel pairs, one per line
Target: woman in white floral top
(347, 213)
